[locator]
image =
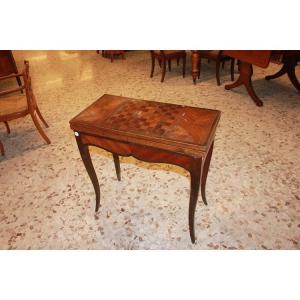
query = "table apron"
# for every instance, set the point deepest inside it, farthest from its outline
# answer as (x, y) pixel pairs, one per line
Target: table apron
(141, 152)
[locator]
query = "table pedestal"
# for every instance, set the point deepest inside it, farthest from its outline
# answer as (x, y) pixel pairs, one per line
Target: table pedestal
(246, 72)
(289, 65)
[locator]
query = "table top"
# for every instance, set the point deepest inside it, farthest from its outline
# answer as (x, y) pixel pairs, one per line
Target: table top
(162, 125)
(260, 58)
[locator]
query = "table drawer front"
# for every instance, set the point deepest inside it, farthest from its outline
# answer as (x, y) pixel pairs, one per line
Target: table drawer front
(144, 153)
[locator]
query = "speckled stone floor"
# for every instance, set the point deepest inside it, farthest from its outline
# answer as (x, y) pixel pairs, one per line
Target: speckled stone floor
(253, 187)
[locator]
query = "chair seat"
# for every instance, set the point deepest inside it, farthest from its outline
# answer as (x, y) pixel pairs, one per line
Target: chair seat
(13, 104)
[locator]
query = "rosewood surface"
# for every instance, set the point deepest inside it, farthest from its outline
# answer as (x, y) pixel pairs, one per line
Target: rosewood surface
(149, 131)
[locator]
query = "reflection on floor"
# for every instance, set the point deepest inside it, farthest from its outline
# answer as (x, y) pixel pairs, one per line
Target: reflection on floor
(253, 188)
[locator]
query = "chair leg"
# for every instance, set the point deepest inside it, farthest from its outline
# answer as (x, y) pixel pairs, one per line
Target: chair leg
(218, 71)
(183, 65)
(19, 81)
(7, 127)
(232, 69)
(163, 70)
(39, 127)
(39, 113)
(41, 117)
(152, 65)
(1, 149)
(169, 65)
(159, 62)
(223, 64)
(199, 68)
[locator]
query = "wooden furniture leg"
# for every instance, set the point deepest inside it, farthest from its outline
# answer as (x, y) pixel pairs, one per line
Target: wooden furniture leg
(39, 113)
(152, 65)
(232, 69)
(169, 65)
(204, 172)
(7, 127)
(195, 58)
(195, 173)
(163, 70)
(19, 82)
(117, 165)
(39, 127)
(1, 149)
(246, 72)
(41, 117)
(183, 66)
(218, 71)
(289, 65)
(86, 158)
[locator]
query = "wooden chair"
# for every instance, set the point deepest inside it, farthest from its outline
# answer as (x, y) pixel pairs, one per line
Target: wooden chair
(14, 105)
(164, 56)
(219, 58)
(111, 53)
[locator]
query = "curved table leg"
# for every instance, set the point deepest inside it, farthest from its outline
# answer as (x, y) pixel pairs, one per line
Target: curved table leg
(86, 158)
(205, 172)
(293, 79)
(281, 72)
(289, 65)
(195, 184)
(246, 72)
(117, 165)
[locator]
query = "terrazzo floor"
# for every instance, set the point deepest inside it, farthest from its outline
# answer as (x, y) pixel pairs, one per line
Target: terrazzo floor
(253, 186)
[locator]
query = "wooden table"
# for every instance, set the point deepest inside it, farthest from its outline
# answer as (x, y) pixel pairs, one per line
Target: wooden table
(149, 131)
(259, 58)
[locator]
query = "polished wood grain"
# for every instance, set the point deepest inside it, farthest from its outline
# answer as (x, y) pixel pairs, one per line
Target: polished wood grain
(150, 131)
(14, 105)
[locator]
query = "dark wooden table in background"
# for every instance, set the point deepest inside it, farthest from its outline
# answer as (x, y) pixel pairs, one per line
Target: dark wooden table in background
(149, 131)
(259, 58)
